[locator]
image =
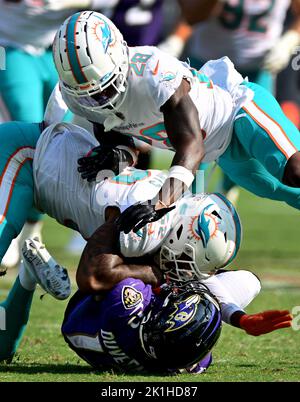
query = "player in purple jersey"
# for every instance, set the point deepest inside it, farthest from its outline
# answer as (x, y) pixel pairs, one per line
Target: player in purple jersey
(133, 328)
(129, 324)
(140, 21)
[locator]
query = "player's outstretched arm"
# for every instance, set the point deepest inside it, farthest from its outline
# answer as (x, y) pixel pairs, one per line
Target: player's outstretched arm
(262, 323)
(184, 132)
(101, 266)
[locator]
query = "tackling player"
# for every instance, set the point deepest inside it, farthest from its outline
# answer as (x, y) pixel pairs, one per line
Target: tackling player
(148, 328)
(206, 115)
(169, 329)
(57, 189)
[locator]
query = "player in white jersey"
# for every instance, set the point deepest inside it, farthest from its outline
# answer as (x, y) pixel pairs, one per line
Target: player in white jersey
(71, 200)
(206, 115)
(234, 290)
(245, 31)
(57, 189)
(28, 75)
(249, 32)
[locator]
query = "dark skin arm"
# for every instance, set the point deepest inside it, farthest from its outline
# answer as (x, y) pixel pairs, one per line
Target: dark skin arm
(184, 132)
(101, 266)
(197, 10)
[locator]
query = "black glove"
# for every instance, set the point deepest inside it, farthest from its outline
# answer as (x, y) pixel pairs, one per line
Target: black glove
(138, 215)
(103, 158)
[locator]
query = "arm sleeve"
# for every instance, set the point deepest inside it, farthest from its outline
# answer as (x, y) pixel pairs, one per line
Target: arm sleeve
(235, 290)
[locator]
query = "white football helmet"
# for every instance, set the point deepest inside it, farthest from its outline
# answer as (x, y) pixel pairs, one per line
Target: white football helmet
(206, 237)
(91, 58)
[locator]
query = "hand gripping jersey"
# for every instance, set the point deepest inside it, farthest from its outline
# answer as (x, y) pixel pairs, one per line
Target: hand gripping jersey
(244, 31)
(28, 25)
(105, 333)
(154, 76)
(64, 195)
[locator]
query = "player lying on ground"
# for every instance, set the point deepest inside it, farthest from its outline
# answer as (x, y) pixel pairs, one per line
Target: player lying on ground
(207, 115)
(134, 326)
(53, 185)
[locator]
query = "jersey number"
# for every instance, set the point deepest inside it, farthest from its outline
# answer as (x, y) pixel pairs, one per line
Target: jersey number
(233, 16)
(138, 63)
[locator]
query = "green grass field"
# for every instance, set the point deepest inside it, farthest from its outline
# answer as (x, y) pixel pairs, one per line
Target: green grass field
(270, 248)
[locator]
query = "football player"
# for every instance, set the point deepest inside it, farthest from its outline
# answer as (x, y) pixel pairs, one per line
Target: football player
(169, 329)
(58, 190)
(210, 234)
(206, 115)
(250, 34)
(27, 29)
(110, 332)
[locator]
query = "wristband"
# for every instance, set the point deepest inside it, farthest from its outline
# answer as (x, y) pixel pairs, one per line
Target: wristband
(182, 174)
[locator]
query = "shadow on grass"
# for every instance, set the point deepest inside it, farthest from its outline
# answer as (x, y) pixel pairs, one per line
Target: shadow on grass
(64, 368)
(36, 368)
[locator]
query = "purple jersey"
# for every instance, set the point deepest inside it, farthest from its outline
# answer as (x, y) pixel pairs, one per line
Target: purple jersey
(139, 23)
(105, 333)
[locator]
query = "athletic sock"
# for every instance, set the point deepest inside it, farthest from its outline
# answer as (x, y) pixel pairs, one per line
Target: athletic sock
(27, 280)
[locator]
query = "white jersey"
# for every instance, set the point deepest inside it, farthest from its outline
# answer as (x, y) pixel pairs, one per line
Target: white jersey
(27, 25)
(153, 78)
(244, 31)
(73, 202)
(64, 195)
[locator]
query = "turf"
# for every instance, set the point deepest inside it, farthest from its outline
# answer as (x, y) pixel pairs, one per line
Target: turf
(270, 248)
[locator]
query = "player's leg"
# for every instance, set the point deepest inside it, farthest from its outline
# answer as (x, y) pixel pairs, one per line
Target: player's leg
(38, 267)
(266, 80)
(269, 136)
(18, 141)
(251, 175)
(17, 305)
(21, 88)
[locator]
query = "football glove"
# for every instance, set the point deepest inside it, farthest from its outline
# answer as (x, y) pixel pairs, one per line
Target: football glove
(104, 158)
(265, 322)
(138, 215)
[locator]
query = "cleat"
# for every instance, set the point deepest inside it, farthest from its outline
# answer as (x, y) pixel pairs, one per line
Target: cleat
(51, 276)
